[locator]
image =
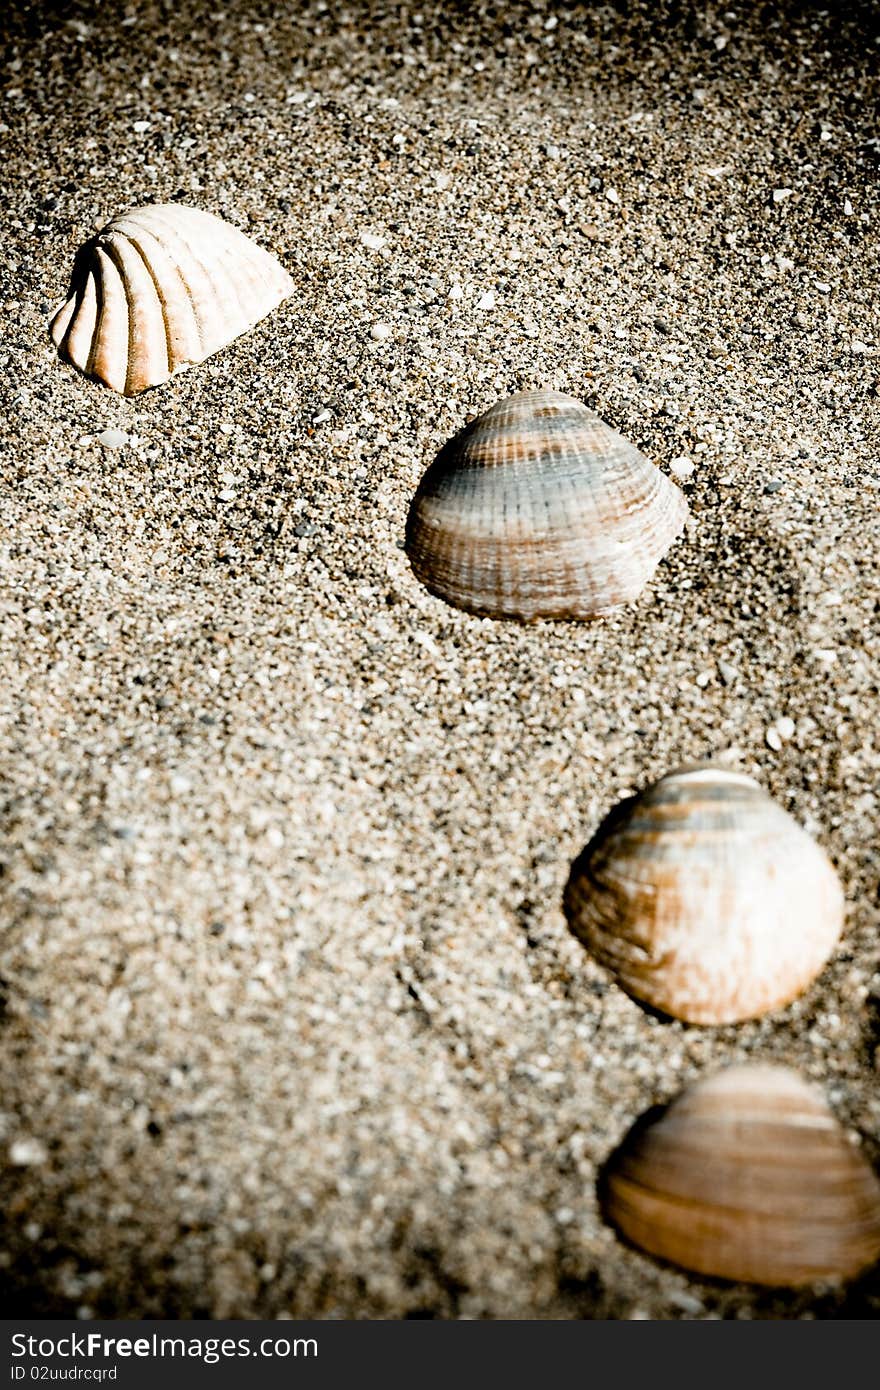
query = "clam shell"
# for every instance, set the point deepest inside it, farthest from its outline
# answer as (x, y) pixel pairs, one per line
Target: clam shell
(747, 1176)
(159, 289)
(705, 899)
(538, 509)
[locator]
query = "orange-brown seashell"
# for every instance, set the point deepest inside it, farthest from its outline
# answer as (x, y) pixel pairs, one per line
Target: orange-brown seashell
(705, 899)
(747, 1176)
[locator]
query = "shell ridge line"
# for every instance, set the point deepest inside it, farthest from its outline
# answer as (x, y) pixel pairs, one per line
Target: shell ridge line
(163, 303)
(266, 275)
(106, 360)
(168, 230)
(682, 1201)
(234, 263)
(79, 275)
(81, 329)
(258, 278)
(100, 298)
(113, 249)
(74, 303)
(61, 319)
(213, 335)
(178, 357)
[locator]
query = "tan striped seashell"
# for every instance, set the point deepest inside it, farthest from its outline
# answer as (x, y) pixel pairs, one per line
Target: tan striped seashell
(705, 899)
(538, 509)
(747, 1176)
(159, 289)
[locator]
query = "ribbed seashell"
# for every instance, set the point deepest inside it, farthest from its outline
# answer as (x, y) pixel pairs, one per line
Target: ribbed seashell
(159, 289)
(538, 509)
(705, 899)
(747, 1176)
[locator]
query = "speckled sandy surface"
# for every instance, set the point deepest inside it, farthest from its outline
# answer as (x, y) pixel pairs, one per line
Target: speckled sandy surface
(292, 1023)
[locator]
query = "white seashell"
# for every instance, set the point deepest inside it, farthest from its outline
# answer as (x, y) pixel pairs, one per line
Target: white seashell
(538, 509)
(705, 899)
(747, 1176)
(159, 289)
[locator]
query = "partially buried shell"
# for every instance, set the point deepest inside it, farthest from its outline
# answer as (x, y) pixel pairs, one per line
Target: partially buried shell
(705, 899)
(538, 509)
(159, 289)
(747, 1176)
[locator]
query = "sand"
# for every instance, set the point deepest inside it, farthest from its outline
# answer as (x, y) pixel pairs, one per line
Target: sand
(292, 1022)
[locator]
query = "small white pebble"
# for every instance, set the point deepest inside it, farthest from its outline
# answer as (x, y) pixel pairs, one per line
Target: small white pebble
(703, 679)
(780, 194)
(785, 727)
(456, 291)
(179, 784)
(141, 126)
(380, 332)
(686, 1302)
(322, 417)
(858, 348)
(487, 301)
(372, 240)
(612, 195)
(727, 672)
(825, 134)
(27, 1152)
(772, 739)
(847, 208)
(823, 287)
(112, 439)
(682, 467)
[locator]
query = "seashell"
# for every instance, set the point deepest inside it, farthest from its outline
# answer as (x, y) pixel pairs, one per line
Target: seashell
(747, 1176)
(705, 899)
(159, 289)
(538, 509)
